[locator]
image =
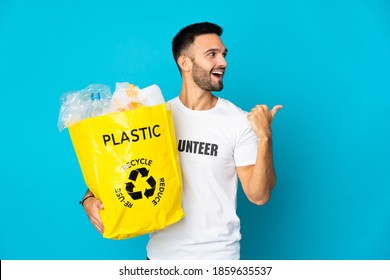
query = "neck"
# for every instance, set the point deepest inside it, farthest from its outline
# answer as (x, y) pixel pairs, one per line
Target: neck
(195, 98)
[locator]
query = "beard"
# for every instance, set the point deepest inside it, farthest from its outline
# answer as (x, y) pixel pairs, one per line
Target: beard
(202, 79)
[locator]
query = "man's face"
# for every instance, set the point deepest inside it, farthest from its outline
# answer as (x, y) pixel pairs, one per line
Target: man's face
(207, 54)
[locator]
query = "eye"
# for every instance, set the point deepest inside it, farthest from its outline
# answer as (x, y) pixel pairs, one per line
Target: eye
(212, 54)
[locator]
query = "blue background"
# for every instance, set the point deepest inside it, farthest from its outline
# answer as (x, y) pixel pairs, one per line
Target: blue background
(326, 61)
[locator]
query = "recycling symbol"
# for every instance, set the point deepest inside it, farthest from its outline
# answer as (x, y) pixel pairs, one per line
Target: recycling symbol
(136, 179)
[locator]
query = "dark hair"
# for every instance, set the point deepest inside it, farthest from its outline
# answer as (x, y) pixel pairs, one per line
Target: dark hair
(186, 36)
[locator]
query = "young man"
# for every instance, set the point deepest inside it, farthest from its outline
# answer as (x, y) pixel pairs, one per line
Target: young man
(217, 143)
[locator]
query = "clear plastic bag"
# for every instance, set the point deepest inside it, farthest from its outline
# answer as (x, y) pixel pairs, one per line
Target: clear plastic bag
(96, 100)
(76, 106)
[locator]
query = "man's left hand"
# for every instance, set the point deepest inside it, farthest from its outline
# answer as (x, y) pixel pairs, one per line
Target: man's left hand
(261, 118)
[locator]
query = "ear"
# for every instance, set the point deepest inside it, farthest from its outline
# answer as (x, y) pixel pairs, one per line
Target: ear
(184, 63)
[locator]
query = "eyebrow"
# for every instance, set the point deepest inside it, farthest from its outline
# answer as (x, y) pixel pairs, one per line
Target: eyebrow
(218, 50)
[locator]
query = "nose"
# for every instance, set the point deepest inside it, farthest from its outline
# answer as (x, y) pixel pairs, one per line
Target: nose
(222, 61)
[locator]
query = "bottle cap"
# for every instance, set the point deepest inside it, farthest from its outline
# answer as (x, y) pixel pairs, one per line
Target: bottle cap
(95, 96)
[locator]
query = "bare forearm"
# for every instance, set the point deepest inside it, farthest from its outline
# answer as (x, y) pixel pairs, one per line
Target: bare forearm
(263, 178)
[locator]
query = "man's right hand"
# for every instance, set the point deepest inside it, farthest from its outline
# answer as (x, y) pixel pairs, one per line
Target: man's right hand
(92, 208)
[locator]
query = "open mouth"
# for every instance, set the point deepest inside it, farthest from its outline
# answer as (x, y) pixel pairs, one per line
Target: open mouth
(217, 73)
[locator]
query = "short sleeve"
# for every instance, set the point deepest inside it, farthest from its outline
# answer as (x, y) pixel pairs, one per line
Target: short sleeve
(245, 151)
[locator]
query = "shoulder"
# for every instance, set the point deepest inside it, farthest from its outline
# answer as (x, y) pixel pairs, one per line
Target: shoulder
(173, 100)
(232, 109)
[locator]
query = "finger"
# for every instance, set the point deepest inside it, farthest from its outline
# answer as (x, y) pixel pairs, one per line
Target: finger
(275, 109)
(96, 218)
(98, 224)
(262, 107)
(99, 228)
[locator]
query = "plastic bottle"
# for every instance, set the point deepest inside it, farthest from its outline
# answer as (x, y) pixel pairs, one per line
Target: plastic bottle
(97, 106)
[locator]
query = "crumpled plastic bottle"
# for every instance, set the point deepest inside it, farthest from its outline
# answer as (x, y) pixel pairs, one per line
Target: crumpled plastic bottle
(76, 106)
(99, 106)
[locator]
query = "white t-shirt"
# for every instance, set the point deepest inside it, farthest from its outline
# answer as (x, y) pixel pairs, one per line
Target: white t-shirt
(211, 144)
